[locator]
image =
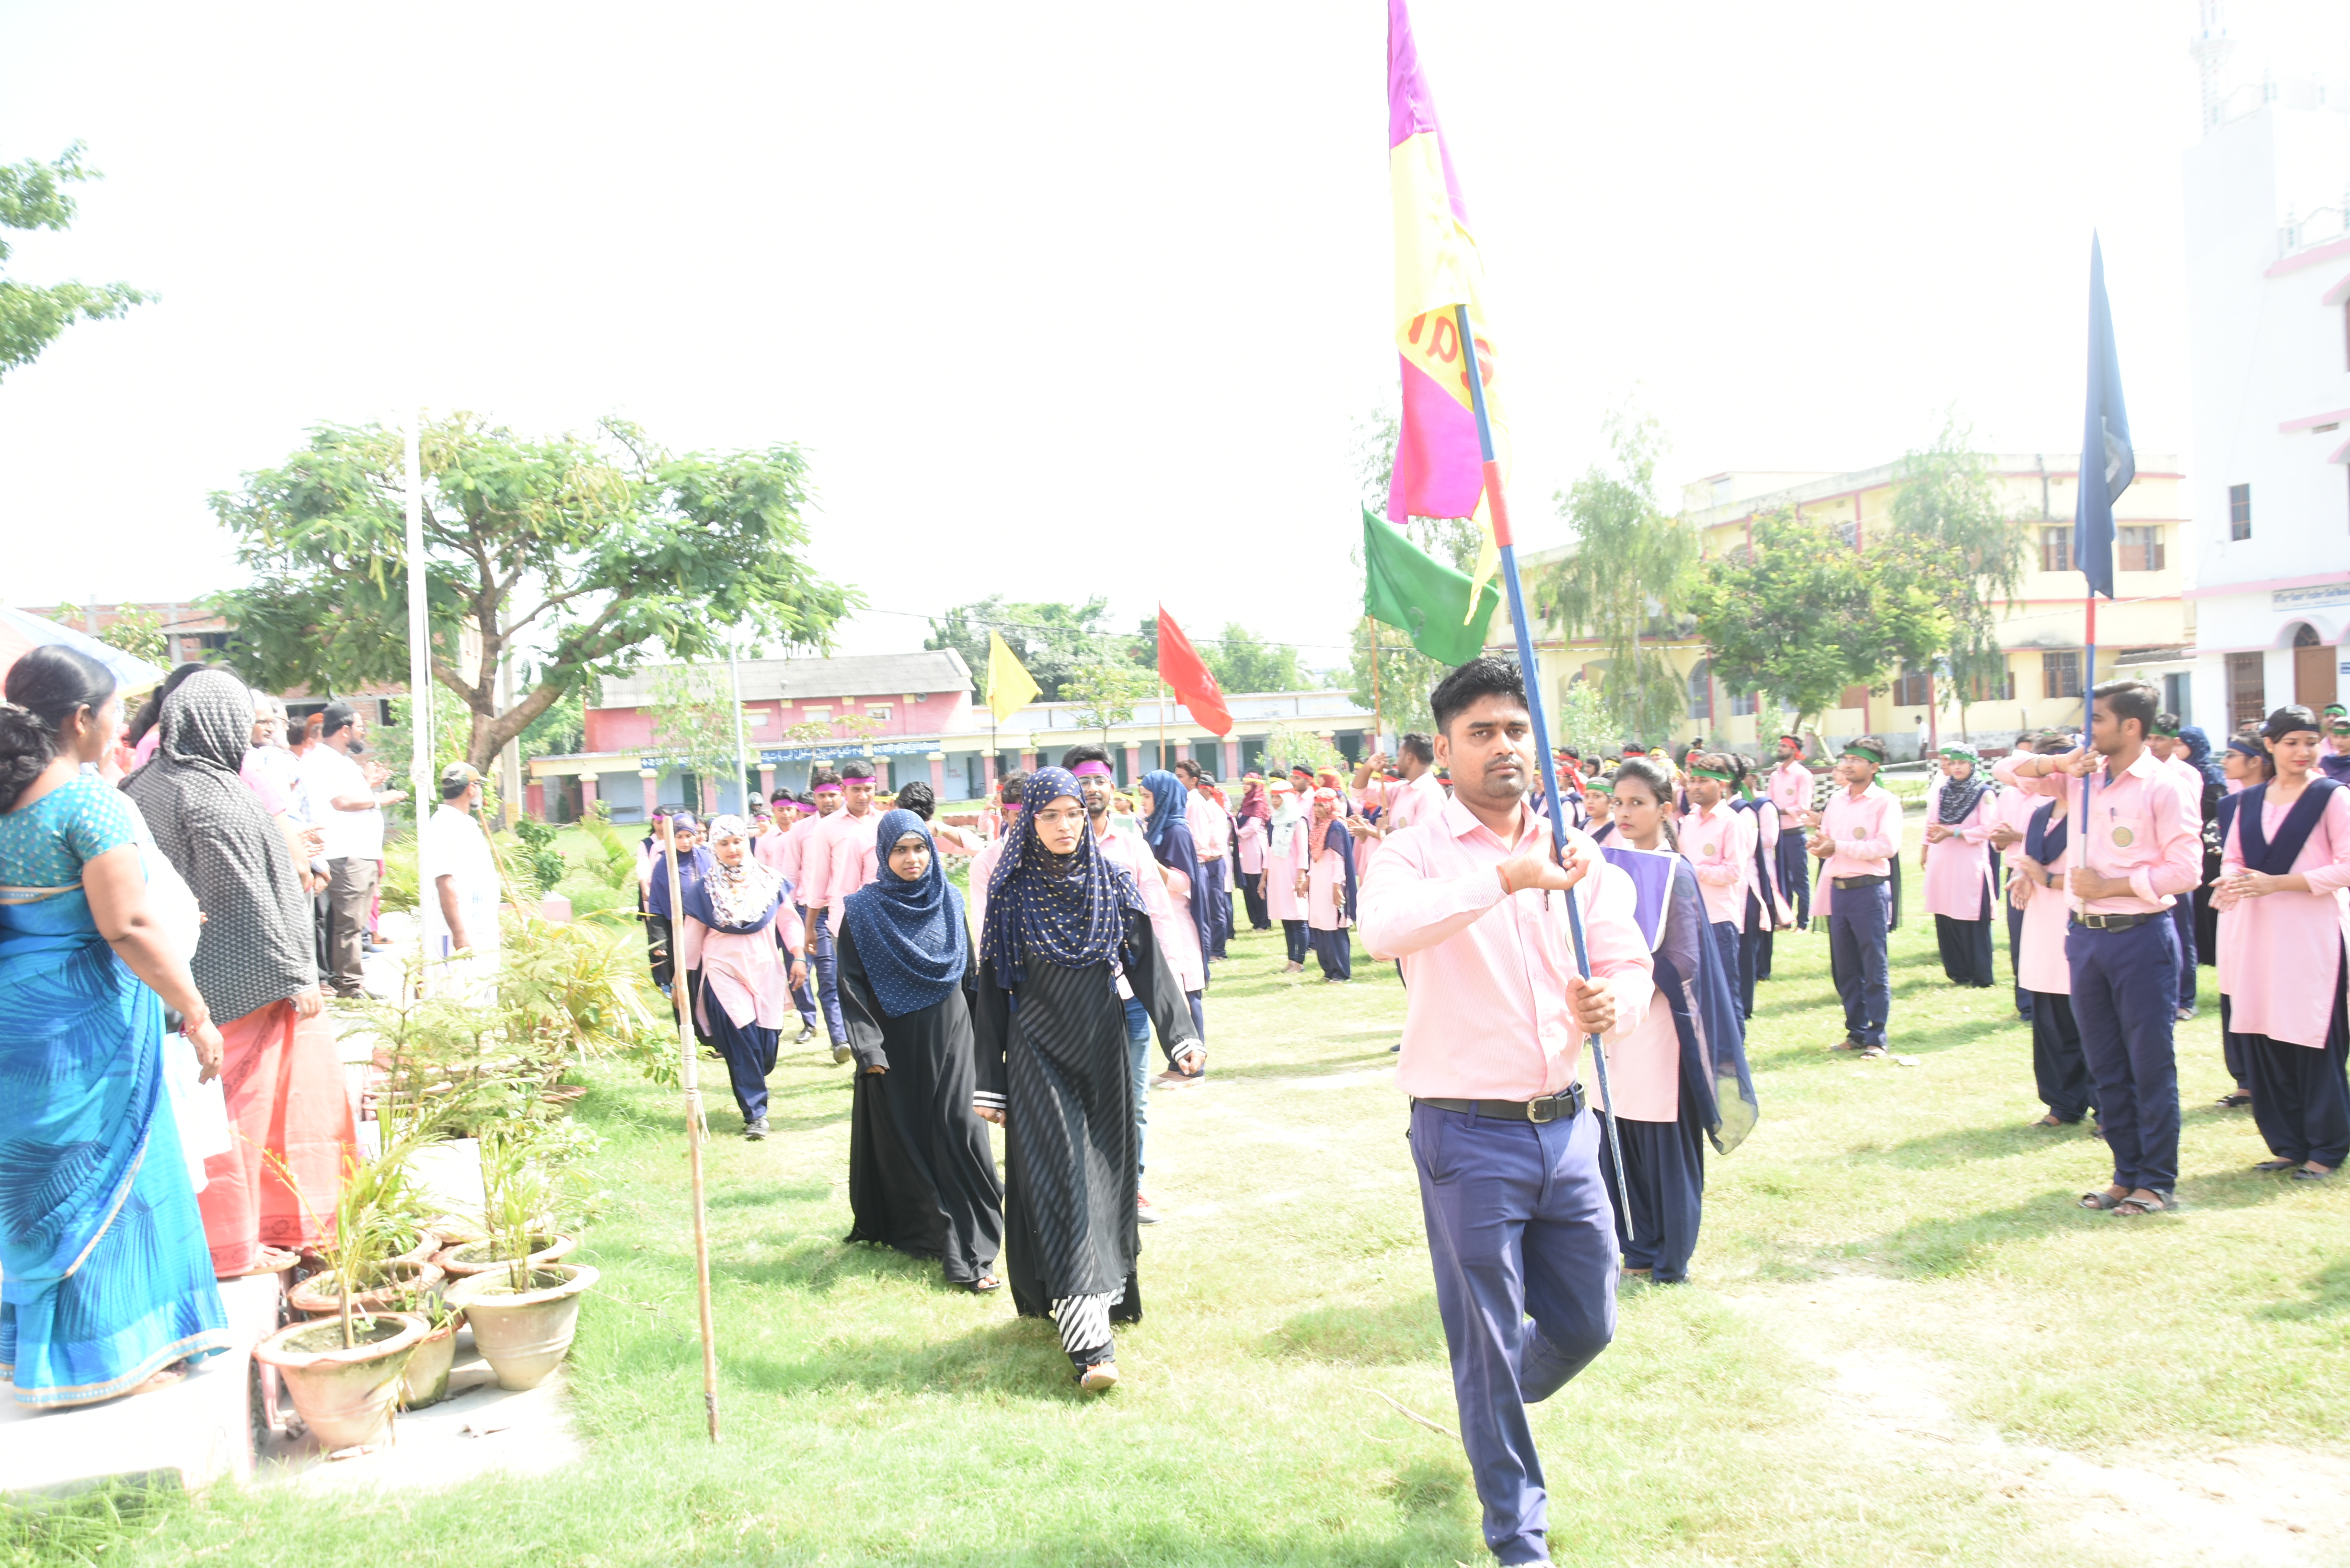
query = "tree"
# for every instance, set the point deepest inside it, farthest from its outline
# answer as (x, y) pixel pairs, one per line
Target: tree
(1053, 641)
(33, 196)
(1948, 501)
(1242, 662)
(139, 633)
(1624, 581)
(1807, 615)
(1105, 690)
(694, 720)
(597, 549)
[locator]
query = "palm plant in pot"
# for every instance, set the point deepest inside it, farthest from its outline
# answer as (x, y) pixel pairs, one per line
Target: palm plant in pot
(525, 1307)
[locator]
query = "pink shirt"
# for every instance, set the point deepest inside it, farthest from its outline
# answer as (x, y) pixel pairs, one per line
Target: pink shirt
(1211, 832)
(2140, 830)
(1485, 972)
(815, 856)
(983, 872)
(2190, 779)
(1645, 1067)
(744, 972)
(1790, 789)
(1866, 830)
(1957, 870)
(1721, 843)
(1416, 801)
(1249, 845)
(2276, 951)
(2040, 960)
(851, 861)
(1166, 895)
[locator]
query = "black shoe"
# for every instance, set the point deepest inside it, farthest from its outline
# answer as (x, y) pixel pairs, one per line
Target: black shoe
(755, 1131)
(807, 1033)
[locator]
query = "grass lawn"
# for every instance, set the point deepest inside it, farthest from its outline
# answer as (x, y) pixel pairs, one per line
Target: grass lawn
(1901, 1342)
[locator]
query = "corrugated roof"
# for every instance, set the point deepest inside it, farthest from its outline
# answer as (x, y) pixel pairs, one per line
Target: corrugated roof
(926, 671)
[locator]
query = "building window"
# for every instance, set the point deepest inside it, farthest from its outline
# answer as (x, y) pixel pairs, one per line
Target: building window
(2248, 690)
(1854, 697)
(1999, 688)
(2240, 511)
(2056, 549)
(1912, 689)
(2060, 673)
(881, 714)
(816, 715)
(1741, 705)
(2141, 549)
(2178, 696)
(1701, 690)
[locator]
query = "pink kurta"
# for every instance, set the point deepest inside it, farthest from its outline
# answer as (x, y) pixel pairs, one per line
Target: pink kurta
(1957, 870)
(748, 974)
(1721, 844)
(1325, 881)
(1251, 846)
(1868, 831)
(982, 871)
(1280, 861)
(1645, 1068)
(2279, 954)
(2040, 960)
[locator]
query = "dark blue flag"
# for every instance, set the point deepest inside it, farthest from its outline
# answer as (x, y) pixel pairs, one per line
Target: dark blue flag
(2108, 464)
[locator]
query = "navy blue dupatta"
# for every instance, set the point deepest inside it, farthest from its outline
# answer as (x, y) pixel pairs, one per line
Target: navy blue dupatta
(1669, 908)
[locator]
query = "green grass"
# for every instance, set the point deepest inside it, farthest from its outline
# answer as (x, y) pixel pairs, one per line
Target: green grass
(1884, 1221)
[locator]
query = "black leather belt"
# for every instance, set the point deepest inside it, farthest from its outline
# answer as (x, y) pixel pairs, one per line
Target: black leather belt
(2115, 922)
(1854, 884)
(1565, 1105)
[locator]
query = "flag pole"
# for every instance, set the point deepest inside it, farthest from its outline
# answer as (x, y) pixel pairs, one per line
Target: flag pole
(697, 1130)
(1506, 545)
(1379, 714)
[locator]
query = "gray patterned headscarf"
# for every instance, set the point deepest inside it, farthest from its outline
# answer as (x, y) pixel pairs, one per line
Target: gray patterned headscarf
(255, 946)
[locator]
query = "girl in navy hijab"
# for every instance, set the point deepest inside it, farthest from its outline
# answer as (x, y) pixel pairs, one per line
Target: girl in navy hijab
(922, 1178)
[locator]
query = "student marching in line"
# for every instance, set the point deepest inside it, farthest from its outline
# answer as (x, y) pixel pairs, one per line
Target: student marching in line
(1284, 859)
(2137, 850)
(1858, 839)
(1719, 843)
(1766, 906)
(2284, 866)
(1960, 822)
(1788, 789)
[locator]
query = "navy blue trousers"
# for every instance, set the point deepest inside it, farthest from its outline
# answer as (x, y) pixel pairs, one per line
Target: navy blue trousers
(2300, 1098)
(803, 994)
(1335, 949)
(2059, 1071)
(1292, 934)
(2014, 966)
(1795, 877)
(749, 1052)
(1856, 956)
(1519, 1226)
(2125, 999)
(1730, 948)
(1218, 891)
(1664, 1167)
(827, 980)
(2182, 915)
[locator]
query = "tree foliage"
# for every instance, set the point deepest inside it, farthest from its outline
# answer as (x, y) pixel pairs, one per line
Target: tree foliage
(694, 720)
(139, 633)
(1948, 501)
(1053, 641)
(1106, 691)
(33, 196)
(597, 550)
(1808, 615)
(1624, 581)
(1243, 662)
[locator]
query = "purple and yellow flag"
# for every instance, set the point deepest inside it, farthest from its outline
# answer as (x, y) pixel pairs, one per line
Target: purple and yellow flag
(1440, 469)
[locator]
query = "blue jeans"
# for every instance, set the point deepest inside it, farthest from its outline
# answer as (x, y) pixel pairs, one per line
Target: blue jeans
(828, 978)
(1856, 953)
(1519, 1226)
(1137, 1051)
(803, 995)
(2125, 1004)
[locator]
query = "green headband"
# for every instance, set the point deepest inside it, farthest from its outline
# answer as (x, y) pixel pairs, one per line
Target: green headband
(2167, 732)
(1960, 754)
(1867, 755)
(1709, 774)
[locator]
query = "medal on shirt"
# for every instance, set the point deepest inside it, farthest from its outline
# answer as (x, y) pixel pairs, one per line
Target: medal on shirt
(1714, 851)
(2123, 837)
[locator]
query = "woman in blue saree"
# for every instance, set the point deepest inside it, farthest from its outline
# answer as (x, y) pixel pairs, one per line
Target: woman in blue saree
(105, 1283)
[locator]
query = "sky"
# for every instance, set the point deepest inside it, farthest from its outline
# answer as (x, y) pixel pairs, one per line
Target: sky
(1072, 299)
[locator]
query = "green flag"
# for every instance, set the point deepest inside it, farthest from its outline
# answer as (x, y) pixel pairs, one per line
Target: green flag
(1422, 597)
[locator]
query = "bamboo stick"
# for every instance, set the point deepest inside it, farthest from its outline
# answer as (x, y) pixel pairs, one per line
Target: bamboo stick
(697, 1131)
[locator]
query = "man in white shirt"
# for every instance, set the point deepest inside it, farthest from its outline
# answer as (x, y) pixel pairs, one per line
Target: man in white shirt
(347, 799)
(458, 881)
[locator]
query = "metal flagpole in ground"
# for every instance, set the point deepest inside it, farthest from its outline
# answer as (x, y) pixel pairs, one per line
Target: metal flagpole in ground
(1378, 715)
(742, 745)
(419, 626)
(1509, 550)
(697, 1132)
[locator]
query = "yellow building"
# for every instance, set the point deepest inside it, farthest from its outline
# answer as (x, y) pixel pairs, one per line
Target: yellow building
(2145, 630)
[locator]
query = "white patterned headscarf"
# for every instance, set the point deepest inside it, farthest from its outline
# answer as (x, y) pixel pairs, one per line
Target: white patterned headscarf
(742, 894)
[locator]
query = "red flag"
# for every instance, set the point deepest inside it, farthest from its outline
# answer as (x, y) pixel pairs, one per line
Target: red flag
(1180, 667)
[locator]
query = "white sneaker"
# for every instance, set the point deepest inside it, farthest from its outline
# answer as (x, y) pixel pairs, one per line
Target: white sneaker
(1144, 1209)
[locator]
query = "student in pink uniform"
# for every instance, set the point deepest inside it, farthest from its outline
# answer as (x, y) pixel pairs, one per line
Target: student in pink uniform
(1167, 830)
(1859, 836)
(1284, 855)
(1790, 790)
(1718, 841)
(1329, 888)
(2284, 869)
(2138, 850)
(2246, 764)
(779, 849)
(1211, 842)
(2037, 867)
(1958, 868)
(835, 869)
(1248, 850)
(1520, 1230)
(739, 938)
(2010, 819)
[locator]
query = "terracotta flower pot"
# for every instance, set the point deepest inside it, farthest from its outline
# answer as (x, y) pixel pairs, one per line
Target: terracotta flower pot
(426, 1380)
(480, 1257)
(523, 1335)
(344, 1397)
(427, 1243)
(410, 1279)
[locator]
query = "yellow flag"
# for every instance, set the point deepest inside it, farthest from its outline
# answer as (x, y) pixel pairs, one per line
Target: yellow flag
(1009, 688)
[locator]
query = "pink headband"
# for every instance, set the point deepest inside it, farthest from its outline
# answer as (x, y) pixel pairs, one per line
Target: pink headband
(1093, 770)
(1325, 794)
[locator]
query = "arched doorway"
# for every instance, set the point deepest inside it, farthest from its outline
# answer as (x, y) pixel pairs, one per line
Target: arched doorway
(2313, 669)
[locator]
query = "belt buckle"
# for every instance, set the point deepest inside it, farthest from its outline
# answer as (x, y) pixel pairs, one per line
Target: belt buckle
(1544, 1110)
